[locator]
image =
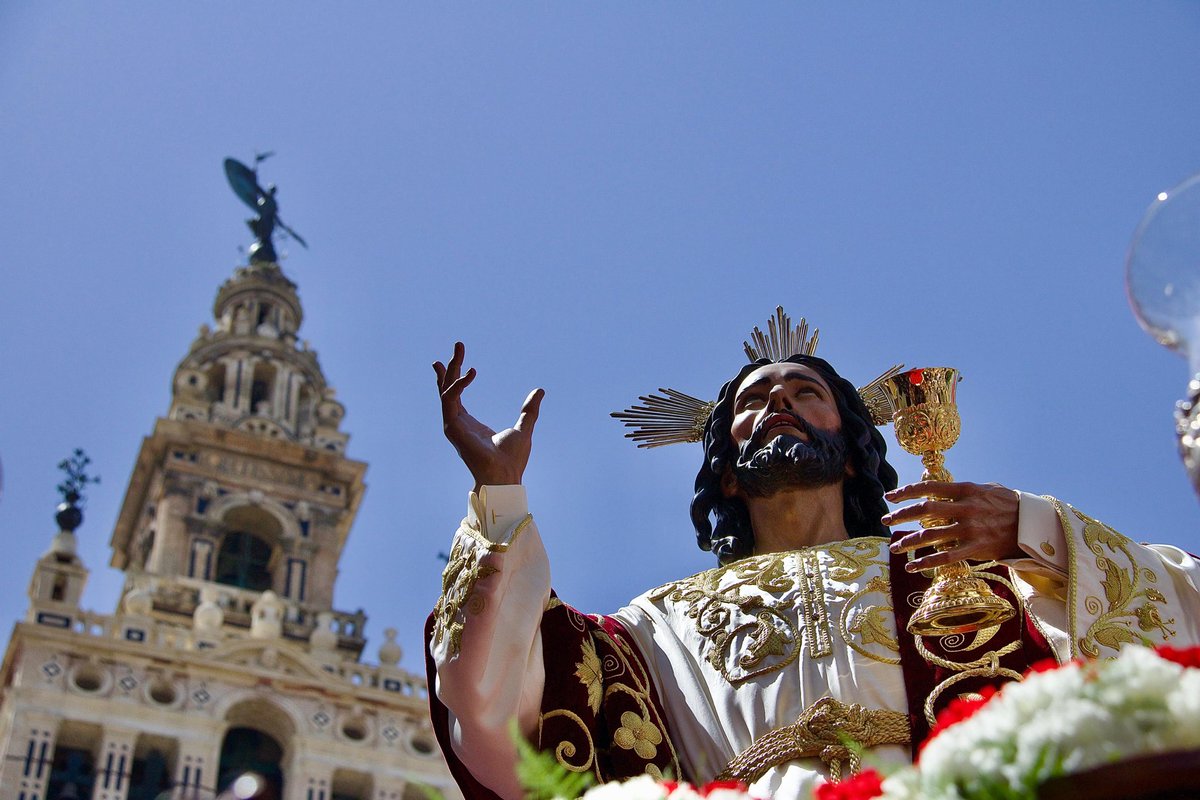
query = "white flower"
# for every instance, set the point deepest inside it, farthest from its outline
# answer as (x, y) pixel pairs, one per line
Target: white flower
(643, 787)
(723, 794)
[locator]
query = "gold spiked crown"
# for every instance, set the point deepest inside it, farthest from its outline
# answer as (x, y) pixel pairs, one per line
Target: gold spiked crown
(674, 417)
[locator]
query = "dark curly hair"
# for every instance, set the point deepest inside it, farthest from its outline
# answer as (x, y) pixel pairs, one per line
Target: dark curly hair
(732, 537)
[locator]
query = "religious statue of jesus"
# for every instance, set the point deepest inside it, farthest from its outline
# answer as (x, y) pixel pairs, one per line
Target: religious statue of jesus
(761, 669)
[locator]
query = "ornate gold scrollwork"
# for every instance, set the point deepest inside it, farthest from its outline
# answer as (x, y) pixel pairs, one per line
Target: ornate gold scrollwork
(1119, 617)
(928, 428)
(712, 601)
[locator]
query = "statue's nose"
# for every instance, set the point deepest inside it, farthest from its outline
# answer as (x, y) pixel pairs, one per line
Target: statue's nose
(779, 398)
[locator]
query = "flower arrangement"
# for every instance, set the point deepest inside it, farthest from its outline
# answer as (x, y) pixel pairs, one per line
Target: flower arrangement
(1058, 721)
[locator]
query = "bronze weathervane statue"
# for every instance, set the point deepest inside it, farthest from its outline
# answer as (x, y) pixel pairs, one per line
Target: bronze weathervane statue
(244, 181)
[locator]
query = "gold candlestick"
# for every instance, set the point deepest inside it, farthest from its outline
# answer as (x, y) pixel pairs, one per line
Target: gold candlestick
(927, 423)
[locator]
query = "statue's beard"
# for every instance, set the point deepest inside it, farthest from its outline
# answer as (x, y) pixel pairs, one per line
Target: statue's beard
(789, 462)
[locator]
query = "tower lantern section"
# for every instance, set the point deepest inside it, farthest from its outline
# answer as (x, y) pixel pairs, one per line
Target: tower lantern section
(243, 495)
(251, 372)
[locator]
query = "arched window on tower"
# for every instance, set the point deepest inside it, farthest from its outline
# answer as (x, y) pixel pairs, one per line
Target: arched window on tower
(305, 411)
(262, 389)
(246, 750)
(244, 561)
(73, 772)
(150, 775)
(352, 785)
(264, 314)
(245, 553)
(216, 384)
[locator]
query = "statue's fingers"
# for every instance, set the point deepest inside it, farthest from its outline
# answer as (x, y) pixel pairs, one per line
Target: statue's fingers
(454, 366)
(943, 535)
(919, 511)
(529, 411)
(911, 491)
(934, 560)
(949, 490)
(453, 392)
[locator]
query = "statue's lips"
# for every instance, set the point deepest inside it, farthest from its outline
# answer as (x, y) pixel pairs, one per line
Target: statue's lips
(780, 423)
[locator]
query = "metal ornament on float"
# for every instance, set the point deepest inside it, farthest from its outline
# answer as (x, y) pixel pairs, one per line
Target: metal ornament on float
(927, 424)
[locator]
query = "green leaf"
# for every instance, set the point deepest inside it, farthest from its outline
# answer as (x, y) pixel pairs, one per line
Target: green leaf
(542, 776)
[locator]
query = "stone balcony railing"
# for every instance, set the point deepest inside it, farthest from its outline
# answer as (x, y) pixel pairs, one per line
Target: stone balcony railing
(182, 595)
(161, 635)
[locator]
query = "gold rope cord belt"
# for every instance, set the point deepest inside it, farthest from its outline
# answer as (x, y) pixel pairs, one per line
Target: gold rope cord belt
(820, 732)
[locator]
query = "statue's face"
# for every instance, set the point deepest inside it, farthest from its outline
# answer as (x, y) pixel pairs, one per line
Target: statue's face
(787, 431)
(771, 397)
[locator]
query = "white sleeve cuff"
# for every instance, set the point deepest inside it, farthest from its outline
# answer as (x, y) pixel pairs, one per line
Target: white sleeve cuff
(495, 511)
(1040, 537)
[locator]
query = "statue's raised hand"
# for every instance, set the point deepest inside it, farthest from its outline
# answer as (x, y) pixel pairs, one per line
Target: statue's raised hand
(493, 458)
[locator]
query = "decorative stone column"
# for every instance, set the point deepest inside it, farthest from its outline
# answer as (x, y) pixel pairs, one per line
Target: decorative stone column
(114, 767)
(196, 768)
(309, 781)
(28, 755)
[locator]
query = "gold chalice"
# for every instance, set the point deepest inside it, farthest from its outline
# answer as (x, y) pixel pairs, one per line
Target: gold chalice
(927, 423)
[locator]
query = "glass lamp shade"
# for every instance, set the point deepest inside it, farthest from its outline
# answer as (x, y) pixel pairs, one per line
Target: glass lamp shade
(1162, 276)
(1162, 273)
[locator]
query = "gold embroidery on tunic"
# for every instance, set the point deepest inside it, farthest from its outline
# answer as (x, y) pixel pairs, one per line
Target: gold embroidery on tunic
(754, 633)
(636, 684)
(770, 635)
(463, 570)
(642, 731)
(1128, 610)
(816, 615)
(638, 734)
(870, 625)
(850, 559)
(566, 749)
(588, 672)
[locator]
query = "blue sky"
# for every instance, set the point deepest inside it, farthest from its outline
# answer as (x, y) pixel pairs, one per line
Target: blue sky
(600, 199)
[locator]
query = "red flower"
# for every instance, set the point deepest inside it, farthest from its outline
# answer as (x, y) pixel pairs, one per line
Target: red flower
(1184, 656)
(1045, 665)
(717, 785)
(863, 786)
(958, 710)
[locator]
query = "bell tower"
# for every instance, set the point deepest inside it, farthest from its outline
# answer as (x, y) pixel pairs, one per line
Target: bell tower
(225, 657)
(244, 487)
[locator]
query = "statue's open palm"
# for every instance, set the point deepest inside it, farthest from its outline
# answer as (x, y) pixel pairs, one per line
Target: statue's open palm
(493, 458)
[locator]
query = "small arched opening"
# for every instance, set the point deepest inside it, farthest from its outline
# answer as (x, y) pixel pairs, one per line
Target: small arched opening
(244, 557)
(262, 388)
(248, 751)
(153, 762)
(264, 315)
(73, 770)
(351, 785)
(215, 385)
(256, 741)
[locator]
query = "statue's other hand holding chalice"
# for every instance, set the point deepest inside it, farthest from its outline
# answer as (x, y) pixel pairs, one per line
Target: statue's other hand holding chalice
(962, 521)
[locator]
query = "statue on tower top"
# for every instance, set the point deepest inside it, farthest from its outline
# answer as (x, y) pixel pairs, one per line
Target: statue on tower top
(244, 181)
